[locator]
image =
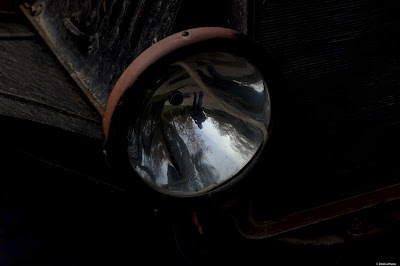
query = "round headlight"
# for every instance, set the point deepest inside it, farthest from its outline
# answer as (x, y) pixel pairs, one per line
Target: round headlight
(203, 118)
(205, 121)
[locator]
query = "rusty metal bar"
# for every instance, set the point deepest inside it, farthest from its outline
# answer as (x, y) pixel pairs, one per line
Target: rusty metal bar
(252, 229)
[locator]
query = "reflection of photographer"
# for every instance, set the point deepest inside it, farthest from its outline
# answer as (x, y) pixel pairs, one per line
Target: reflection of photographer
(197, 113)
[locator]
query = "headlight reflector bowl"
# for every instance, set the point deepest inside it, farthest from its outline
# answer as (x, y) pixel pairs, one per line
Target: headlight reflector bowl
(206, 119)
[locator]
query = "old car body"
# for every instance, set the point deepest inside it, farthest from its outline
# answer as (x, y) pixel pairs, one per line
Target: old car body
(77, 77)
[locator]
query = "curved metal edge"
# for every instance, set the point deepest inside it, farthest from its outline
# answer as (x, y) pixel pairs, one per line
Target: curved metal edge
(153, 54)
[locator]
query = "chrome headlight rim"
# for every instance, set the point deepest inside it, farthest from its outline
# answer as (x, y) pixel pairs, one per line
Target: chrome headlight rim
(127, 95)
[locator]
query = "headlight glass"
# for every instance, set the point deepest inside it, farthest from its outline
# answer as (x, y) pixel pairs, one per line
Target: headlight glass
(206, 119)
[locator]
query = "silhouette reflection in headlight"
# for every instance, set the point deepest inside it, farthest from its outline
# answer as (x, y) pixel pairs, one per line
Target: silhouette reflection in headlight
(205, 121)
(197, 114)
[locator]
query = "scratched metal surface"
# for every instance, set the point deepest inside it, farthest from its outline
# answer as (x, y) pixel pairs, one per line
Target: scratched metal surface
(96, 40)
(35, 86)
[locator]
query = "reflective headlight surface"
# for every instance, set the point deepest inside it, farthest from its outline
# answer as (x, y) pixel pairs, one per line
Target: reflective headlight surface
(204, 122)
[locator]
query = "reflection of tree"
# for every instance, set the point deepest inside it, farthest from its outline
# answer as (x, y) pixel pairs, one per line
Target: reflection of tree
(206, 172)
(244, 138)
(171, 152)
(150, 152)
(150, 120)
(149, 162)
(178, 150)
(188, 150)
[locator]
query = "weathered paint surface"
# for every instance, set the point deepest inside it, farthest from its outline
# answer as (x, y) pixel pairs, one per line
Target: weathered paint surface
(96, 40)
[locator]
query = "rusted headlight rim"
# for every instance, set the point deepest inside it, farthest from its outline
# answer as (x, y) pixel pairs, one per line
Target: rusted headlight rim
(187, 42)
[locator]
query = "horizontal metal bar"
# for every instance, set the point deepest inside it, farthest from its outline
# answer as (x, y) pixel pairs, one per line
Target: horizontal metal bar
(252, 229)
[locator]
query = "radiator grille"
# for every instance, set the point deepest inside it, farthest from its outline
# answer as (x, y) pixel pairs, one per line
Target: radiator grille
(342, 66)
(342, 56)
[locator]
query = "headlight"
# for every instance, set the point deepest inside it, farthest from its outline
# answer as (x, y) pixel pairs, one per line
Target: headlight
(194, 119)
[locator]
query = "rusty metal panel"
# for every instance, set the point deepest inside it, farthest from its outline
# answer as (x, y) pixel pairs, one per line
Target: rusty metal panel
(96, 40)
